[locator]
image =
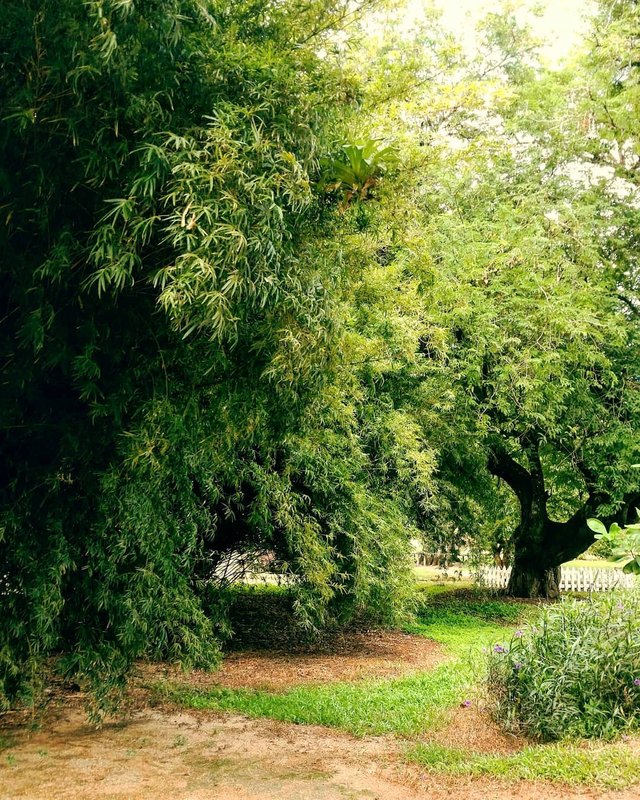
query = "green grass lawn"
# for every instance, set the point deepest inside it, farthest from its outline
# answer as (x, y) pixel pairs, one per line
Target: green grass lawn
(610, 766)
(596, 563)
(413, 706)
(449, 577)
(404, 706)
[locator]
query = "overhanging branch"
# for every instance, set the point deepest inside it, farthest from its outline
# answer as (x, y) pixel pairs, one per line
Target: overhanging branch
(504, 466)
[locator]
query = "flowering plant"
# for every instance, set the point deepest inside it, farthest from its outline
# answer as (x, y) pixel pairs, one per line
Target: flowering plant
(575, 673)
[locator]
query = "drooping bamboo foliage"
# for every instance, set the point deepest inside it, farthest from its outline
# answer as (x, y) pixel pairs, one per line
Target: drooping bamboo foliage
(168, 332)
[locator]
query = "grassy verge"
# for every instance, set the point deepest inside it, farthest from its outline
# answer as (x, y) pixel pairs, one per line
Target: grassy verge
(464, 622)
(406, 707)
(610, 766)
(403, 706)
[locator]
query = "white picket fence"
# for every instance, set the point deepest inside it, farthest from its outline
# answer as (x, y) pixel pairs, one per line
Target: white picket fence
(572, 579)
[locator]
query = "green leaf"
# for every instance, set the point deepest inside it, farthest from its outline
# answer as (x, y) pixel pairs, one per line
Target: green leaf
(597, 526)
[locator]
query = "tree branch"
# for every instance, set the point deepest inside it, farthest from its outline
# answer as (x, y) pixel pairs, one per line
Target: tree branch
(504, 466)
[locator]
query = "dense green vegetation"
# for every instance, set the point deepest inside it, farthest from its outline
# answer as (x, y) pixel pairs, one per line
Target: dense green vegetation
(416, 707)
(170, 296)
(576, 672)
(270, 287)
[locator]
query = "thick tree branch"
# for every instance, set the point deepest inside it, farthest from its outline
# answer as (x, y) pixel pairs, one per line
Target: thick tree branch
(504, 466)
(630, 304)
(566, 540)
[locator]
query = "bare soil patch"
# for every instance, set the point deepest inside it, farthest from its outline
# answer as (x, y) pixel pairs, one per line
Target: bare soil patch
(347, 657)
(473, 729)
(181, 756)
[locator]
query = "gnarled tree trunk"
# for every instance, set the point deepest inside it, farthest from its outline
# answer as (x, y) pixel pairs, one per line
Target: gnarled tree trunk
(542, 544)
(534, 580)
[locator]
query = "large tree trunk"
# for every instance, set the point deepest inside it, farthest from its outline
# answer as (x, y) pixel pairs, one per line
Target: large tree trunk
(542, 544)
(534, 580)
(532, 573)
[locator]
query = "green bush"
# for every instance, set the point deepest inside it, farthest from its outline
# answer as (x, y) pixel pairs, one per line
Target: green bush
(600, 549)
(576, 673)
(172, 386)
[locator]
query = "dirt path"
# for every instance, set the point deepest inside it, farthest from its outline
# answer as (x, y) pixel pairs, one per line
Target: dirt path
(203, 756)
(352, 657)
(167, 754)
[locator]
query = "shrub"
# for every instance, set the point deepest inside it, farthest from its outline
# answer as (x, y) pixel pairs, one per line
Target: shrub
(576, 673)
(171, 319)
(600, 549)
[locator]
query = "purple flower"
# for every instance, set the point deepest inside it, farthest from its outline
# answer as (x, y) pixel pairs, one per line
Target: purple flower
(465, 703)
(517, 666)
(636, 681)
(498, 648)
(518, 634)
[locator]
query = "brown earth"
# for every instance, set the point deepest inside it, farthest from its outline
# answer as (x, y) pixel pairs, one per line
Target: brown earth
(473, 729)
(181, 756)
(202, 755)
(352, 657)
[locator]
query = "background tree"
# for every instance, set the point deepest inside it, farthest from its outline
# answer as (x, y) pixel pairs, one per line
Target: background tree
(554, 379)
(511, 241)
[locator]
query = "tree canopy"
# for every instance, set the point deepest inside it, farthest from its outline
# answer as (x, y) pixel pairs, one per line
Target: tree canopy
(269, 286)
(522, 247)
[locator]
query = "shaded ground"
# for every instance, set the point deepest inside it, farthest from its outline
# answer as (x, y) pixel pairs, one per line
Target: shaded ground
(156, 755)
(375, 654)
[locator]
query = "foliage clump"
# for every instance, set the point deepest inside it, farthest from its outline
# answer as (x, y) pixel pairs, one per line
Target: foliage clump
(170, 390)
(575, 673)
